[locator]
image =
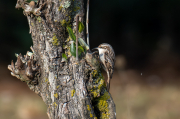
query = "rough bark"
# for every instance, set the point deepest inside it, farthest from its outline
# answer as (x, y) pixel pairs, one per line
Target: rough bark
(71, 89)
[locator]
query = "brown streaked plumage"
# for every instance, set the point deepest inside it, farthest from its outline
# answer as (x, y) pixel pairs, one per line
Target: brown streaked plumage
(107, 58)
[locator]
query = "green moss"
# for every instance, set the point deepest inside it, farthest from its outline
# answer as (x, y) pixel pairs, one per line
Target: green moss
(55, 95)
(72, 92)
(55, 40)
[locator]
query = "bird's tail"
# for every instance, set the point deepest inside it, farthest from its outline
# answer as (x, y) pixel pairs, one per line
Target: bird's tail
(108, 82)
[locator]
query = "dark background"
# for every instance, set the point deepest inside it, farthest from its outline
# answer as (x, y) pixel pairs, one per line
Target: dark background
(135, 28)
(145, 36)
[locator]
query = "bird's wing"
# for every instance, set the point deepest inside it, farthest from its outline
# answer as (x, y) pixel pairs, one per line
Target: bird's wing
(109, 63)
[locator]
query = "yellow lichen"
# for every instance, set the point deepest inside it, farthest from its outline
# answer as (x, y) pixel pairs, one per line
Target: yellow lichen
(55, 95)
(95, 92)
(68, 23)
(68, 52)
(91, 115)
(88, 108)
(65, 23)
(57, 86)
(100, 76)
(76, 8)
(101, 83)
(72, 92)
(68, 39)
(60, 7)
(54, 104)
(39, 19)
(46, 79)
(64, 46)
(105, 115)
(55, 40)
(94, 73)
(100, 101)
(106, 96)
(32, 24)
(102, 105)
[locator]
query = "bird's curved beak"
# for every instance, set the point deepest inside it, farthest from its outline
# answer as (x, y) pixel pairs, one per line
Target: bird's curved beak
(95, 49)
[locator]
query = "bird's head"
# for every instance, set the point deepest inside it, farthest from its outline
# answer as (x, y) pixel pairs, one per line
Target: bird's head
(102, 47)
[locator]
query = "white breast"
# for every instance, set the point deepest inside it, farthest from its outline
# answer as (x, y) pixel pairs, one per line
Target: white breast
(101, 55)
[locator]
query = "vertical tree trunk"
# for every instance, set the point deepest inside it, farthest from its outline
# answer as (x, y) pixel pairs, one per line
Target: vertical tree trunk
(71, 89)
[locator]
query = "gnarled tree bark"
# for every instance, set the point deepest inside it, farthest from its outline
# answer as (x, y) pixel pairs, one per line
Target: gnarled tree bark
(71, 89)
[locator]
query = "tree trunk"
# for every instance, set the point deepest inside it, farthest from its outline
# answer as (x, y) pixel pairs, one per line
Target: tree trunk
(71, 89)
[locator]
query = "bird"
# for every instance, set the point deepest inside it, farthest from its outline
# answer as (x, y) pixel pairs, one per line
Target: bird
(107, 59)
